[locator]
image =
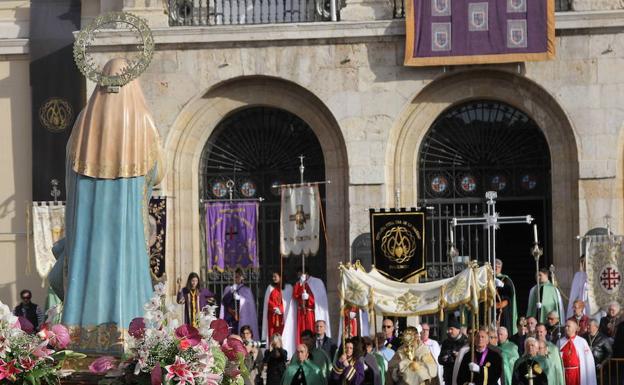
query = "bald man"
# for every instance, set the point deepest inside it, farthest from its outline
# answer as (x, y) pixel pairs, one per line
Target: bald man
(302, 371)
(581, 318)
(578, 361)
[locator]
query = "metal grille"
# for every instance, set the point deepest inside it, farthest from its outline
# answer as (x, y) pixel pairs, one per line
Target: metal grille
(257, 148)
(224, 12)
(470, 149)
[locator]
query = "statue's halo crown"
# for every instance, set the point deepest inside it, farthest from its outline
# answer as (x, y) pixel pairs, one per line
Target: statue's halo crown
(86, 62)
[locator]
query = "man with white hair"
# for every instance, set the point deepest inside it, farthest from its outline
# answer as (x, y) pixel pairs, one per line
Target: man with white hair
(433, 346)
(600, 346)
(578, 362)
(509, 351)
(531, 368)
(553, 327)
(609, 323)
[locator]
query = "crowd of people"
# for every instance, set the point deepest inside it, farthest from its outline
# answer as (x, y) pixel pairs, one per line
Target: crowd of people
(542, 347)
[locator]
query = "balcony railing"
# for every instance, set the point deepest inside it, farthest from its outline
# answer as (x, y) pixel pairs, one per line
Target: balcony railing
(399, 7)
(224, 12)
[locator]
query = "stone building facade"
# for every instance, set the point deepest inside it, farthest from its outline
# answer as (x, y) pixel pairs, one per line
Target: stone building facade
(370, 113)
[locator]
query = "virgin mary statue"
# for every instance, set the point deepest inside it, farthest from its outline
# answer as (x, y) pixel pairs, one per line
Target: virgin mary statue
(113, 161)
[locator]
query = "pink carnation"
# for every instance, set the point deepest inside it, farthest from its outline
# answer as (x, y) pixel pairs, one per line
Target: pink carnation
(188, 335)
(232, 346)
(137, 327)
(220, 330)
(60, 337)
(102, 365)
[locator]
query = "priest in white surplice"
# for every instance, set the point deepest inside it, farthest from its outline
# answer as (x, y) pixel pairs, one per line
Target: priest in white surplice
(578, 361)
(579, 290)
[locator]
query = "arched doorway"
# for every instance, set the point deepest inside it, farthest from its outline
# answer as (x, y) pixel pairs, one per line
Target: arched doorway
(257, 148)
(479, 146)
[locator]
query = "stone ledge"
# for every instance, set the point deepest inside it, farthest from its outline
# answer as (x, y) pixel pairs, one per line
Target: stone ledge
(13, 46)
(344, 30)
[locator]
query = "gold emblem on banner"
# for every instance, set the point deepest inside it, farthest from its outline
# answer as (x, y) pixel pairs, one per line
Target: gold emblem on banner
(56, 114)
(399, 243)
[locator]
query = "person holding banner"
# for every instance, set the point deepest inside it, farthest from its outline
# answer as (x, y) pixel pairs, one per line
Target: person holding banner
(238, 307)
(310, 297)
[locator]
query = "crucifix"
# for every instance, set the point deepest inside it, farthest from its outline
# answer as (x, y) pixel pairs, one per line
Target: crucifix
(490, 221)
(232, 231)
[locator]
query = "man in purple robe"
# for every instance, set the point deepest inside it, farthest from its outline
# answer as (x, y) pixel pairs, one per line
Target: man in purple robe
(238, 306)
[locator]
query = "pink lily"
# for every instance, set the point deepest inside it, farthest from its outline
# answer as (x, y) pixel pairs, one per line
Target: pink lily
(8, 370)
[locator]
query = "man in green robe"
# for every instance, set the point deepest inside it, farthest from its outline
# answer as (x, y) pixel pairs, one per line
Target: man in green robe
(302, 371)
(507, 311)
(549, 299)
(509, 351)
(555, 365)
(316, 355)
(531, 365)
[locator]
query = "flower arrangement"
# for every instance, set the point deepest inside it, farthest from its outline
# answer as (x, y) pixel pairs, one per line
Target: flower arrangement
(162, 350)
(29, 358)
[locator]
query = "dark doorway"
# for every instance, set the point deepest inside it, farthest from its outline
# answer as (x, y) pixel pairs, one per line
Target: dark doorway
(257, 148)
(482, 146)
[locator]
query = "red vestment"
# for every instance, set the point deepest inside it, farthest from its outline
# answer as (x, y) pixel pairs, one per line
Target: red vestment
(350, 324)
(275, 321)
(571, 363)
(305, 309)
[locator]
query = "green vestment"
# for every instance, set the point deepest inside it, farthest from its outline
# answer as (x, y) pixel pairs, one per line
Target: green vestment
(320, 359)
(510, 313)
(510, 354)
(312, 373)
(539, 364)
(550, 299)
(555, 372)
(381, 362)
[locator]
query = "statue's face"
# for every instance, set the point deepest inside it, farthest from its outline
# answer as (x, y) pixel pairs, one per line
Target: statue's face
(410, 338)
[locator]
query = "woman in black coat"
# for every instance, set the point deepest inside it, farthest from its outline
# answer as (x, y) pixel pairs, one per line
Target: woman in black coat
(275, 358)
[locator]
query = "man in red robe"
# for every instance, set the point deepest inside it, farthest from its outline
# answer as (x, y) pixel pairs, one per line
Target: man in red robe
(350, 321)
(578, 362)
(305, 306)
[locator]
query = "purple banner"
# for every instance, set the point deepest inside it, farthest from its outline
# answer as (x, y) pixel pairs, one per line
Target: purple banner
(231, 235)
(446, 32)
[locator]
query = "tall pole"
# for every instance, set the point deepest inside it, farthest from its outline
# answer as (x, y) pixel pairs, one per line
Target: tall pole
(301, 170)
(537, 252)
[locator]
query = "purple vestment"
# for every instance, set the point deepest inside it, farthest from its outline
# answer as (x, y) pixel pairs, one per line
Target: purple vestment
(245, 307)
(206, 297)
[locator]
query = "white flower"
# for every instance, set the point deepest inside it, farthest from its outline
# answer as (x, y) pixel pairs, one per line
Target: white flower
(152, 304)
(160, 288)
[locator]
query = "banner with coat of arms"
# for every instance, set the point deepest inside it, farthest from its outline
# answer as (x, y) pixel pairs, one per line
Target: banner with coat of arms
(453, 32)
(48, 221)
(605, 265)
(398, 243)
(300, 221)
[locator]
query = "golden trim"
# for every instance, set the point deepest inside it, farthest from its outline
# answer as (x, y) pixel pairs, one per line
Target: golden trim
(411, 60)
(102, 338)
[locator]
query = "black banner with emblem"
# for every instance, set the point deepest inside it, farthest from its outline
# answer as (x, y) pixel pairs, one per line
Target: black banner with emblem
(57, 89)
(398, 242)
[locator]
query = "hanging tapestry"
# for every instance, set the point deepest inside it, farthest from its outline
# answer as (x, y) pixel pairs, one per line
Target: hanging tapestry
(300, 218)
(398, 243)
(157, 238)
(605, 265)
(452, 32)
(48, 221)
(232, 235)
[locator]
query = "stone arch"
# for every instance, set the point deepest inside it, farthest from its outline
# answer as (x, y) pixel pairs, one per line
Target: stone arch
(521, 93)
(192, 128)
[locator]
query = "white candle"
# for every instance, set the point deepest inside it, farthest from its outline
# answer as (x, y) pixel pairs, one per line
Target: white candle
(451, 235)
(535, 233)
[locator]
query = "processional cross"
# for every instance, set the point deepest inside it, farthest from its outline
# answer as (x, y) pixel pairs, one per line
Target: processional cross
(491, 221)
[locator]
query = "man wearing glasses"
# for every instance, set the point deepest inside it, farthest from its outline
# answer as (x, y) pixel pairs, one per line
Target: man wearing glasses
(392, 341)
(31, 311)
